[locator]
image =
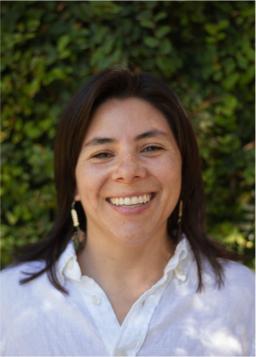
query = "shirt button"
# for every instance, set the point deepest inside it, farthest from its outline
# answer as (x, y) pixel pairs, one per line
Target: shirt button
(183, 278)
(180, 275)
(96, 300)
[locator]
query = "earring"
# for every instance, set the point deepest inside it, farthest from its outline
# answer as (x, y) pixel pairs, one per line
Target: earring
(179, 221)
(78, 236)
(180, 214)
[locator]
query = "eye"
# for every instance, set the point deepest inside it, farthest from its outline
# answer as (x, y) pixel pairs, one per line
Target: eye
(102, 155)
(152, 148)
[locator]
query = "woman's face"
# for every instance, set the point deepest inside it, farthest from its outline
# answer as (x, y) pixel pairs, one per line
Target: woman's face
(128, 173)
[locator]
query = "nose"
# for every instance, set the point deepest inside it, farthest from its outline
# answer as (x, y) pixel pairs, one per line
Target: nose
(128, 169)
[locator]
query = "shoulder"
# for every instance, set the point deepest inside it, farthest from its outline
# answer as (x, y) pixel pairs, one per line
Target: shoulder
(237, 290)
(233, 302)
(238, 283)
(27, 301)
(12, 275)
(239, 286)
(235, 275)
(10, 283)
(238, 276)
(226, 311)
(25, 309)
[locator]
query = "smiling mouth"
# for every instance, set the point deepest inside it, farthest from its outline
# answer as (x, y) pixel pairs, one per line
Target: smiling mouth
(136, 200)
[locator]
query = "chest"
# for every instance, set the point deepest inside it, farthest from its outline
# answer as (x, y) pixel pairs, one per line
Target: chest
(149, 329)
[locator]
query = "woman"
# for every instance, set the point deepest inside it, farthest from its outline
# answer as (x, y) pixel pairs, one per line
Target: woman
(128, 268)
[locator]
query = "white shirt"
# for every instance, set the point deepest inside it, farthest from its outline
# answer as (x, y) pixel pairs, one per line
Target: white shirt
(170, 319)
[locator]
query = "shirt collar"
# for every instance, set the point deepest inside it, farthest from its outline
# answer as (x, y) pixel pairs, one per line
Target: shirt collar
(179, 262)
(68, 267)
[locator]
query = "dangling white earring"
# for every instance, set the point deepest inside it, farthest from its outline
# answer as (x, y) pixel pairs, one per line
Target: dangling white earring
(180, 214)
(74, 215)
(78, 236)
(179, 221)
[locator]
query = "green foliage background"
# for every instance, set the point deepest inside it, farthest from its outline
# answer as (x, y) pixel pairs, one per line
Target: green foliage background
(203, 49)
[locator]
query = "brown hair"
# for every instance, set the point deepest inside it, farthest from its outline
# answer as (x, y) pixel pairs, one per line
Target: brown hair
(120, 83)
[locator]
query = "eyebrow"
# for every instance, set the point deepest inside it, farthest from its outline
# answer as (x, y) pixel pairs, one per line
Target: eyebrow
(147, 134)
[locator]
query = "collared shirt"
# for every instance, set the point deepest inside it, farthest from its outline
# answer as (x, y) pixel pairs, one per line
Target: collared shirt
(169, 319)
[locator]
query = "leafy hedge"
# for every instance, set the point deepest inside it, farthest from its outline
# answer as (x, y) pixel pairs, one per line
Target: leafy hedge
(203, 49)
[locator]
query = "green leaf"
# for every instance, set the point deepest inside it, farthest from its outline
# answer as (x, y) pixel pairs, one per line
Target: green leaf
(151, 42)
(162, 31)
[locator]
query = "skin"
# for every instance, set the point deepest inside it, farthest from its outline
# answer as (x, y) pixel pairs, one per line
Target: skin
(127, 247)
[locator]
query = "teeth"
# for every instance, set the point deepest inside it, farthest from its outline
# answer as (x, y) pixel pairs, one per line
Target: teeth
(129, 201)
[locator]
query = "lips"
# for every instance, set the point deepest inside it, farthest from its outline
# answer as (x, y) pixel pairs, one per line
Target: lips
(131, 200)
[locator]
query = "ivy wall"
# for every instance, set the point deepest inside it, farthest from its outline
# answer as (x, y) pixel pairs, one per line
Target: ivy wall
(204, 50)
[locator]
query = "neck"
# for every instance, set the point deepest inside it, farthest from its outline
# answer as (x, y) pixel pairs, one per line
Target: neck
(113, 263)
(124, 272)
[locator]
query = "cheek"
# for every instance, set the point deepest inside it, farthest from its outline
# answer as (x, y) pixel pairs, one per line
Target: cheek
(170, 177)
(169, 172)
(83, 181)
(89, 182)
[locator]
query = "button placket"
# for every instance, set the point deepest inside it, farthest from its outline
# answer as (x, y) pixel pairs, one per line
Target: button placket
(101, 312)
(135, 327)
(120, 353)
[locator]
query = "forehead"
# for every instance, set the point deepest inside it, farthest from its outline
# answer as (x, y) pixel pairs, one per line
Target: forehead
(129, 117)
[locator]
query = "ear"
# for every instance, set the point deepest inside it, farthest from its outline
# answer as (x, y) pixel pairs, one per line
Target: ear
(77, 196)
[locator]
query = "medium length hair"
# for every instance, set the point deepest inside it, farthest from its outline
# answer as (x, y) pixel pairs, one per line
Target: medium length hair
(72, 128)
